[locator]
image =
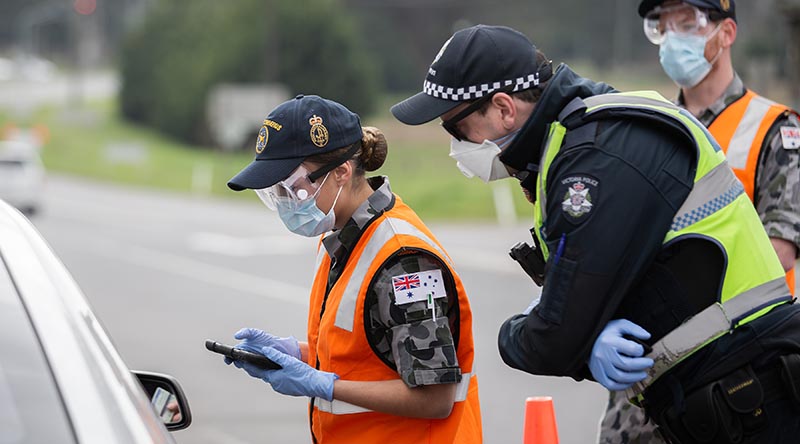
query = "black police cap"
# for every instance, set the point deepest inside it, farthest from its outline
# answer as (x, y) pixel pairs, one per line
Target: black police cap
(297, 129)
(475, 61)
(721, 8)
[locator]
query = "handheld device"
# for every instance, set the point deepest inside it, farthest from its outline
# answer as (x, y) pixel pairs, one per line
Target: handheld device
(647, 348)
(530, 259)
(238, 354)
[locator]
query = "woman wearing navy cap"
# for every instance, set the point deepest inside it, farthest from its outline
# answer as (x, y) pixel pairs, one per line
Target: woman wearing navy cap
(390, 352)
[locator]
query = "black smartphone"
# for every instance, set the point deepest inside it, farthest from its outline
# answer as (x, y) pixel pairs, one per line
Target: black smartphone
(237, 354)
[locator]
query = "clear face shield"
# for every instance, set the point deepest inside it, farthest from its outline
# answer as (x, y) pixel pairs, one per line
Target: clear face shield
(291, 192)
(681, 19)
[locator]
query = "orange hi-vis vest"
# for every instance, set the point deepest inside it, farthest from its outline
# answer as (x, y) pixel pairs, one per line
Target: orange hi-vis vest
(740, 130)
(338, 343)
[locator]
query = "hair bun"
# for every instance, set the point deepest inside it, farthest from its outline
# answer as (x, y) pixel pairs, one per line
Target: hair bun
(374, 148)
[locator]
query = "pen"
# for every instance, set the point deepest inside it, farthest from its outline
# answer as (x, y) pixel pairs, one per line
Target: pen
(560, 249)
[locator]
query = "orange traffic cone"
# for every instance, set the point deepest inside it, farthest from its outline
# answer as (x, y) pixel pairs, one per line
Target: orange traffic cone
(540, 421)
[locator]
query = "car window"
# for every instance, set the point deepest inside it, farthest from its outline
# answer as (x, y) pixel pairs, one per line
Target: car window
(31, 409)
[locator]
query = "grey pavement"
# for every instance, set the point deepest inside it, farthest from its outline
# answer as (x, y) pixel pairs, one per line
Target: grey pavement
(166, 271)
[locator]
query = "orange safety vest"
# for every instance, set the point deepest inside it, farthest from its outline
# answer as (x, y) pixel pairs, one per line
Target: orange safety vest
(740, 130)
(338, 343)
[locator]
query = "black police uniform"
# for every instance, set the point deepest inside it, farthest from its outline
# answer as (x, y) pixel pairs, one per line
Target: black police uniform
(612, 265)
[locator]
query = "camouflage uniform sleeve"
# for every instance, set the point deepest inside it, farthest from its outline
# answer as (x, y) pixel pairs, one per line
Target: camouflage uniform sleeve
(405, 336)
(778, 185)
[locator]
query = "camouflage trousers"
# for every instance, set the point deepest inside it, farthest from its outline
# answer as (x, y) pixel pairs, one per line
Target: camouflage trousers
(624, 423)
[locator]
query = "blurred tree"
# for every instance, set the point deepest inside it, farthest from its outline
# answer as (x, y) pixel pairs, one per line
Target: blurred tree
(321, 51)
(403, 36)
(180, 52)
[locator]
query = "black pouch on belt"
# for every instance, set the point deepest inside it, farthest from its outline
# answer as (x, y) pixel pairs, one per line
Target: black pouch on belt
(744, 394)
(707, 418)
(723, 410)
(790, 374)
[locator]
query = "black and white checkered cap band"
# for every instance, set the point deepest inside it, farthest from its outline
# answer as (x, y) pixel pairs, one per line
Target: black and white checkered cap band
(477, 91)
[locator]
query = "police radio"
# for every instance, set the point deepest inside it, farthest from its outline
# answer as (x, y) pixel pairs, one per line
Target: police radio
(530, 258)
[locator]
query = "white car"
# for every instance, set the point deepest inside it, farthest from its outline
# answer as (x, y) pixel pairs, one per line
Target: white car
(61, 380)
(21, 175)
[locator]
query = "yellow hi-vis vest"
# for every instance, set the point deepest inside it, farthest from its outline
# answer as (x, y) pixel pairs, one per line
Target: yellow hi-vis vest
(716, 209)
(338, 343)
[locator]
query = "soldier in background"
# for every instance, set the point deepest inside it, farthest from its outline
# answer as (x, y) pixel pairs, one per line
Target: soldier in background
(760, 138)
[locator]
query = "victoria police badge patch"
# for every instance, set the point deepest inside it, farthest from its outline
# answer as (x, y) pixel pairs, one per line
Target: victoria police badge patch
(580, 196)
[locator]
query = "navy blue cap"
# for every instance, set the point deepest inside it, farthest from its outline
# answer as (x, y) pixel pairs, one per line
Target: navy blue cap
(474, 62)
(722, 8)
(297, 129)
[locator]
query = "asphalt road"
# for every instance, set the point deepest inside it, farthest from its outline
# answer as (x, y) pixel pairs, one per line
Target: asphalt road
(165, 271)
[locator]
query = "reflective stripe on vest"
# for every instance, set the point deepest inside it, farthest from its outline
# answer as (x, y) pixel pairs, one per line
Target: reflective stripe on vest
(337, 407)
(745, 134)
(384, 232)
(706, 326)
(710, 194)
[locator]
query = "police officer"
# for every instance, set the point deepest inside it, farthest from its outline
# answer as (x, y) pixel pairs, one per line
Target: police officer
(639, 221)
(760, 138)
(389, 353)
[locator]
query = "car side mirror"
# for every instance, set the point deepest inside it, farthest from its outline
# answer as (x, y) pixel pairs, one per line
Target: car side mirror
(167, 398)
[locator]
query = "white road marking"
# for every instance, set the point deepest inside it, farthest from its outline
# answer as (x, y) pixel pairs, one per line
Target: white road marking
(199, 271)
(235, 246)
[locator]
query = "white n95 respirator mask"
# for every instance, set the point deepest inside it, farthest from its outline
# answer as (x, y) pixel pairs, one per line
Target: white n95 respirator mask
(481, 159)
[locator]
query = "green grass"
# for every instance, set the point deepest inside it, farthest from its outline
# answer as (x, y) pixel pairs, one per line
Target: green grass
(428, 180)
(89, 143)
(94, 142)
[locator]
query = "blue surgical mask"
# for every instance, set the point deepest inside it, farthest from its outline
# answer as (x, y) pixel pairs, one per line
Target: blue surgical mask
(306, 219)
(683, 57)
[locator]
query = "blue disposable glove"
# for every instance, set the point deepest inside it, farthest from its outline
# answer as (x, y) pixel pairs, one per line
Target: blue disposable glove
(532, 305)
(296, 378)
(254, 339)
(616, 362)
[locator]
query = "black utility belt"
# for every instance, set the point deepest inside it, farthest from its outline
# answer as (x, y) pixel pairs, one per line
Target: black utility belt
(725, 410)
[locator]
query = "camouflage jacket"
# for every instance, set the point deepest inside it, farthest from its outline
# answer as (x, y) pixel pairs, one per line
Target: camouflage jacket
(404, 336)
(777, 193)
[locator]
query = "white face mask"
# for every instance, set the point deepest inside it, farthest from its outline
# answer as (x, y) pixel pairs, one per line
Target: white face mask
(481, 159)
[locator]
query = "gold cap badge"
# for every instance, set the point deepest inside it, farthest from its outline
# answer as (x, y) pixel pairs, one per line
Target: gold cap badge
(725, 4)
(261, 142)
(319, 134)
